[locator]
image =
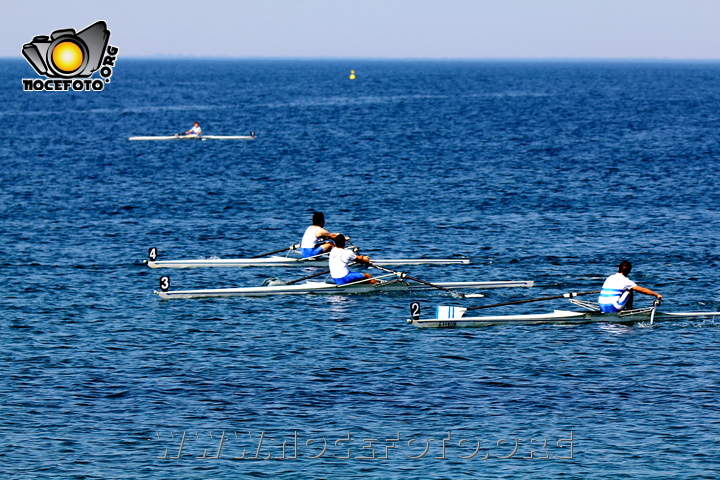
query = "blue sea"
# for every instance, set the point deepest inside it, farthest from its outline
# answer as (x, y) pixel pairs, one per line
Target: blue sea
(546, 171)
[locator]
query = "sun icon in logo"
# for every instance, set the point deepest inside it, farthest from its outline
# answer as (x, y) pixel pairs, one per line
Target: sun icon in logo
(67, 56)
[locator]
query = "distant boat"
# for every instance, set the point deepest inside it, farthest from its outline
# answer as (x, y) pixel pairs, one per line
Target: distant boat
(178, 136)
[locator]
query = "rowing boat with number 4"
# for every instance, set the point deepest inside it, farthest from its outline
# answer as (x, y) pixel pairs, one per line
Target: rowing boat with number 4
(315, 287)
(450, 317)
(195, 137)
(287, 261)
(293, 262)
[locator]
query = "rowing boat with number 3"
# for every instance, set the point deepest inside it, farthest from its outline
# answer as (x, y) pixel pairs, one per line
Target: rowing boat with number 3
(383, 285)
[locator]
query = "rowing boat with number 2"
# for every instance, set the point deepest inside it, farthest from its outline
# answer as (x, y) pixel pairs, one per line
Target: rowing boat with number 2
(450, 317)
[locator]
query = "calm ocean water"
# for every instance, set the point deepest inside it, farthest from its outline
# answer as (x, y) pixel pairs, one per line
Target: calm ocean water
(552, 172)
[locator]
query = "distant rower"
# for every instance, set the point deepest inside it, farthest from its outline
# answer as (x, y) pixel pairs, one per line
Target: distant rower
(617, 291)
(195, 130)
(340, 259)
(314, 233)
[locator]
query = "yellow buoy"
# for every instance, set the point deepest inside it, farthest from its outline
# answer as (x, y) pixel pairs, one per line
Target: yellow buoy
(352, 74)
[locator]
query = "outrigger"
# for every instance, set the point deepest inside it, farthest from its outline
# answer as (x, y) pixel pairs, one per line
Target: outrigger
(291, 259)
(449, 316)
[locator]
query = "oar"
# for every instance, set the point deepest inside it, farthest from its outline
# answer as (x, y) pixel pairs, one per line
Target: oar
(457, 312)
(564, 295)
(405, 275)
(291, 247)
(309, 276)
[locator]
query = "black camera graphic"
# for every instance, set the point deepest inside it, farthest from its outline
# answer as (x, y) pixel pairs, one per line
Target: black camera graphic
(67, 54)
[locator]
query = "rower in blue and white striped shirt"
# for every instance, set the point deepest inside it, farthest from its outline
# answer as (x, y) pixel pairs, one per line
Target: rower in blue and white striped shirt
(617, 291)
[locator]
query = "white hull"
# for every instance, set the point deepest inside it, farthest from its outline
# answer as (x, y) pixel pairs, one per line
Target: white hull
(294, 262)
(558, 316)
(331, 288)
(195, 137)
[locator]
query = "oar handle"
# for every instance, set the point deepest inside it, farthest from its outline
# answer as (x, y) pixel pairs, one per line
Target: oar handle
(564, 295)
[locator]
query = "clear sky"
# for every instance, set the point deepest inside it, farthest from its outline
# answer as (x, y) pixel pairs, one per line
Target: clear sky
(438, 29)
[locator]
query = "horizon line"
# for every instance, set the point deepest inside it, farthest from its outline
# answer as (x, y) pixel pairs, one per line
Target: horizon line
(156, 56)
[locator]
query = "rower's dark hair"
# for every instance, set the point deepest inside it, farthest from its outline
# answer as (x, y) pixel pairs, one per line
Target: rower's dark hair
(318, 219)
(340, 241)
(625, 267)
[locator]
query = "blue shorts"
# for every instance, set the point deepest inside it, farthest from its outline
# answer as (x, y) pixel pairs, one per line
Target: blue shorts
(608, 308)
(350, 277)
(311, 252)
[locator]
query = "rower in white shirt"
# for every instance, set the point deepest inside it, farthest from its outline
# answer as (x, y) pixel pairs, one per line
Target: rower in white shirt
(340, 259)
(617, 291)
(315, 233)
(195, 130)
